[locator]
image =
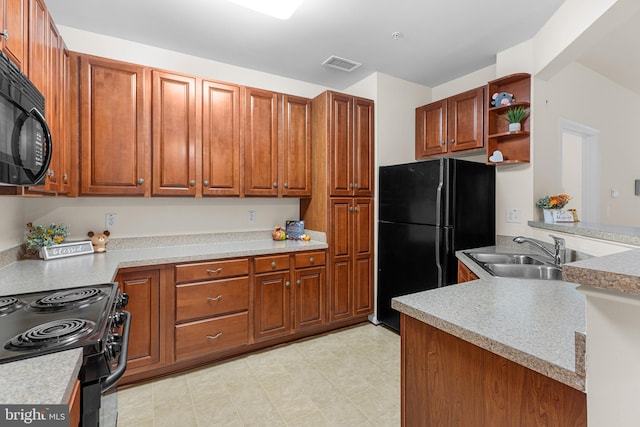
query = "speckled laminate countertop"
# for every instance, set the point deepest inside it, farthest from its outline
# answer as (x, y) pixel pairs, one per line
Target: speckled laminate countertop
(49, 379)
(618, 272)
(539, 324)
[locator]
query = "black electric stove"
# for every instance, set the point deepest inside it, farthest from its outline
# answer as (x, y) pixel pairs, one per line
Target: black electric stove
(89, 317)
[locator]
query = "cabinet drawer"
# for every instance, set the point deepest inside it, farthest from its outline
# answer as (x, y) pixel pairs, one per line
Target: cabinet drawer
(266, 264)
(309, 259)
(212, 270)
(208, 336)
(196, 300)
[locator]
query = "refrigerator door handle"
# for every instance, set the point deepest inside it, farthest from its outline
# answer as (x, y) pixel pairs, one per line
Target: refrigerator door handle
(439, 222)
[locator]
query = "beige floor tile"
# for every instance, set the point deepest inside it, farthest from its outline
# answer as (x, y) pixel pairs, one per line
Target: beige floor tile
(312, 420)
(135, 405)
(217, 411)
(126, 423)
(291, 401)
(343, 413)
(175, 415)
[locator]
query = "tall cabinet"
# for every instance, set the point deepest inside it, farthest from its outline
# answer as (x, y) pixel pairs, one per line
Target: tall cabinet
(342, 201)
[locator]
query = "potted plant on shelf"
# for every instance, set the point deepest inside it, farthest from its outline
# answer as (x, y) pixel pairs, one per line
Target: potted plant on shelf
(552, 208)
(515, 116)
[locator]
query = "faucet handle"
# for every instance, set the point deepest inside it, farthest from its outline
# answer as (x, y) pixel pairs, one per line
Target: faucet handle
(558, 241)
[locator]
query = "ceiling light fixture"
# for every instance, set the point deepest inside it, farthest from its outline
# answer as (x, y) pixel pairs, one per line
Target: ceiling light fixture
(281, 9)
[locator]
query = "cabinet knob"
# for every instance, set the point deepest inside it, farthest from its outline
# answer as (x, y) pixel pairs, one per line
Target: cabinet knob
(214, 337)
(192, 182)
(5, 34)
(218, 298)
(442, 142)
(275, 185)
(273, 264)
(65, 177)
(311, 260)
(217, 270)
(50, 172)
(453, 140)
(350, 208)
(356, 209)
(351, 185)
(286, 185)
(298, 282)
(287, 283)
(356, 185)
(206, 183)
(140, 181)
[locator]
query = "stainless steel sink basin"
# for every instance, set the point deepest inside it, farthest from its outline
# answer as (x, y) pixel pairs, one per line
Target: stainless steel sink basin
(515, 265)
(504, 258)
(525, 271)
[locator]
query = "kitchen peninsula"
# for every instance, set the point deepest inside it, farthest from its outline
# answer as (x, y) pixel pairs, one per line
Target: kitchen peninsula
(494, 351)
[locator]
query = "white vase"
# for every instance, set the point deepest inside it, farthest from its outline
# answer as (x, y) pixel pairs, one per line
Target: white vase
(548, 216)
(514, 127)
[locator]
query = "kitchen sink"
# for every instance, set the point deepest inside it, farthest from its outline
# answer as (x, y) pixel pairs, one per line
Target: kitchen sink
(504, 258)
(515, 265)
(525, 271)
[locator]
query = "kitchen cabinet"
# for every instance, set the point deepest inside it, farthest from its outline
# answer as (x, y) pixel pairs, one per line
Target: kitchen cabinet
(69, 124)
(221, 142)
(514, 146)
(115, 136)
(438, 369)
(148, 307)
(451, 125)
(309, 290)
(15, 21)
(277, 144)
(74, 405)
(175, 144)
(465, 274)
(212, 307)
(344, 167)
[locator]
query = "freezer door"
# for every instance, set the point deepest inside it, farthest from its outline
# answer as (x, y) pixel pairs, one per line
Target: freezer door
(413, 192)
(406, 264)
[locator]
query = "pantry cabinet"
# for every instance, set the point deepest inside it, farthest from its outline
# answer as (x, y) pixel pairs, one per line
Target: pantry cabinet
(15, 20)
(115, 137)
(452, 125)
(175, 144)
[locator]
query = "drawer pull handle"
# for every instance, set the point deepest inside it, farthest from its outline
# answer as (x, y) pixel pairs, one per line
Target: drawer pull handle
(273, 264)
(311, 260)
(217, 270)
(218, 298)
(213, 337)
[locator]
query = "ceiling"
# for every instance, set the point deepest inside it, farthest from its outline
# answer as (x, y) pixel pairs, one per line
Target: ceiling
(439, 40)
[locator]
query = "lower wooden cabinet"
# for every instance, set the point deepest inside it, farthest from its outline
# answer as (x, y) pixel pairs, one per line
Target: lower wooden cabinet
(465, 274)
(74, 405)
(272, 314)
(144, 290)
(211, 335)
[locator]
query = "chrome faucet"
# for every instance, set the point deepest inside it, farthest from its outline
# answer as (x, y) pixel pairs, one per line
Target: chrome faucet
(558, 255)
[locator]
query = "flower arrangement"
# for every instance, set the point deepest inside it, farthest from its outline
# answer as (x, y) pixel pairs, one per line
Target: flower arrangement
(553, 202)
(40, 236)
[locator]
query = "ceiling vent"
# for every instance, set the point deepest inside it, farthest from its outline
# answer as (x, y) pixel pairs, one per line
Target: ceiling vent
(341, 63)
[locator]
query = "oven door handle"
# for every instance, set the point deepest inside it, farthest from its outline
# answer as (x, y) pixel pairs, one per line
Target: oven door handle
(118, 372)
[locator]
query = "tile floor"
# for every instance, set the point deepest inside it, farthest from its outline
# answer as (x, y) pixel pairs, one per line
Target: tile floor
(349, 377)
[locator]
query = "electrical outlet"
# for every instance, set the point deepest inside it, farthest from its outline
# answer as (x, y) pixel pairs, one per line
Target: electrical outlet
(513, 215)
(252, 216)
(110, 221)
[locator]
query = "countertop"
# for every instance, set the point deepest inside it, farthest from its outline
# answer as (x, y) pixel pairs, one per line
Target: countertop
(539, 324)
(617, 272)
(49, 379)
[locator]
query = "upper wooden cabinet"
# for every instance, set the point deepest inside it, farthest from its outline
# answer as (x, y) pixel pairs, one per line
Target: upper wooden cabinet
(175, 144)
(220, 139)
(347, 122)
(295, 152)
(115, 138)
(514, 146)
(15, 21)
(451, 125)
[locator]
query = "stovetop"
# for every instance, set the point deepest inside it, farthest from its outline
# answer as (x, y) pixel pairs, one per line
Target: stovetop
(37, 323)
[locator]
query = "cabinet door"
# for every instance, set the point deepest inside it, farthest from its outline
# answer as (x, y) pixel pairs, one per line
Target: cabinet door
(220, 139)
(363, 147)
(53, 104)
(309, 294)
(465, 120)
(38, 38)
(431, 128)
(174, 134)
(296, 147)
(363, 256)
(271, 305)
(115, 142)
(15, 19)
(340, 145)
(69, 124)
(261, 143)
(340, 255)
(143, 288)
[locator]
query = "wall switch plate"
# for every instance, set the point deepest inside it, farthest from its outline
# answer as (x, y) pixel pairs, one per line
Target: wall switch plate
(110, 220)
(252, 216)
(513, 215)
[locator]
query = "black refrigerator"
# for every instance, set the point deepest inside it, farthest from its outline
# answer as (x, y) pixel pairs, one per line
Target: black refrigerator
(428, 210)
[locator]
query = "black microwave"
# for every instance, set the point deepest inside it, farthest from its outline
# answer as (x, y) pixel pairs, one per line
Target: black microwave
(25, 140)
